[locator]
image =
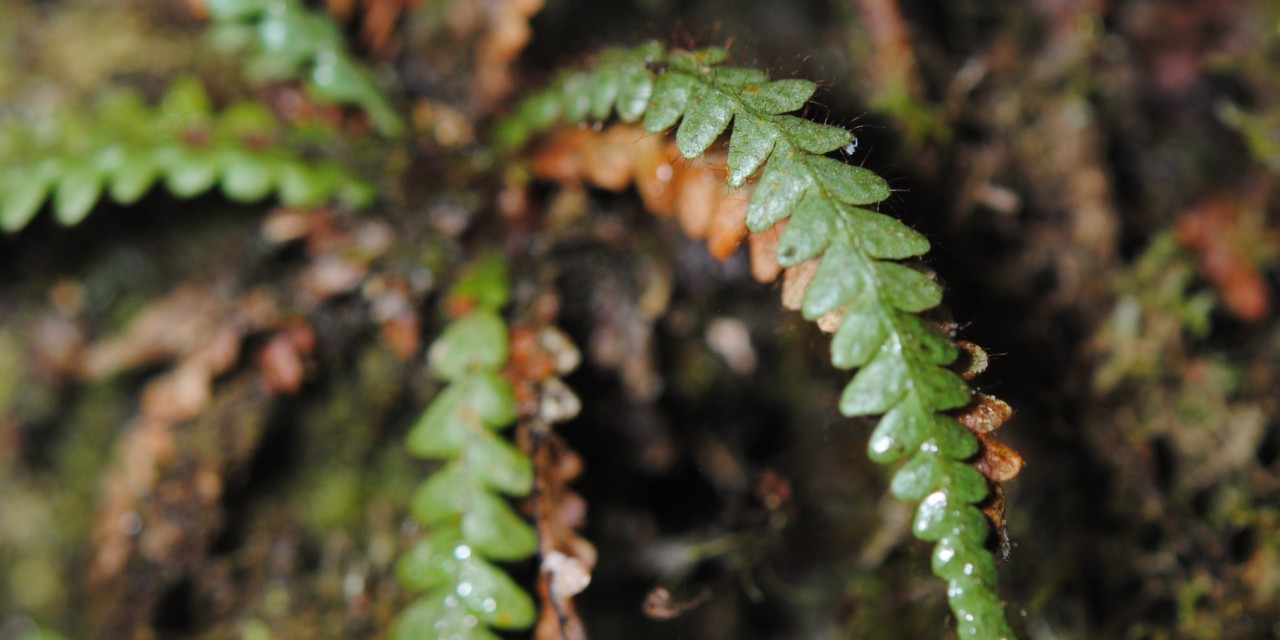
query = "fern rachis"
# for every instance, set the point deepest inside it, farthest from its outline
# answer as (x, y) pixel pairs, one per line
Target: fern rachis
(902, 361)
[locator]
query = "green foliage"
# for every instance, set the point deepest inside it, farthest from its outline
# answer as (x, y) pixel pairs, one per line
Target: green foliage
(123, 147)
(1159, 306)
(289, 41)
(461, 504)
(41, 634)
(1258, 129)
(902, 361)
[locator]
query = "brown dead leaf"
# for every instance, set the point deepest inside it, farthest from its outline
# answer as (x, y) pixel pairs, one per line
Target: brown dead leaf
(997, 461)
(985, 414)
(973, 360)
(378, 28)
(661, 605)
(728, 224)
(506, 36)
(1226, 243)
(394, 310)
(655, 175)
(764, 252)
(698, 188)
(281, 359)
(168, 328)
(773, 490)
(795, 282)
(610, 161)
(993, 508)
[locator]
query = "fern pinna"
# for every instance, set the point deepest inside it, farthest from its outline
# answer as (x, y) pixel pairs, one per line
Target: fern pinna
(122, 147)
(860, 286)
(469, 523)
(288, 40)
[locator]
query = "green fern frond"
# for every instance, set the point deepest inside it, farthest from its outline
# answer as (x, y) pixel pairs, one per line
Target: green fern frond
(462, 503)
(290, 41)
(901, 360)
(123, 147)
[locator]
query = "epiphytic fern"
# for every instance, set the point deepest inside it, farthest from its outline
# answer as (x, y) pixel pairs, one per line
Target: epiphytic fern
(856, 282)
(122, 147)
(288, 40)
(469, 523)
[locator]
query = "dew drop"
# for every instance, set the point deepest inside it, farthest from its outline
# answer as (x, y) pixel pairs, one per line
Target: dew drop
(489, 605)
(937, 499)
(945, 555)
(464, 589)
(470, 622)
(882, 445)
(931, 510)
(462, 552)
(451, 602)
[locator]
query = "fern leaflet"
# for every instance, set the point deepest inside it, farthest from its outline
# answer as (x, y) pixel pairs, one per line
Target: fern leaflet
(289, 40)
(471, 523)
(123, 147)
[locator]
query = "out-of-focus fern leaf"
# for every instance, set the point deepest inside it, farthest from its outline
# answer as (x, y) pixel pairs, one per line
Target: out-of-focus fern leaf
(439, 566)
(76, 193)
(902, 361)
(462, 503)
(122, 147)
(476, 342)
(485, 285)
(290, 41)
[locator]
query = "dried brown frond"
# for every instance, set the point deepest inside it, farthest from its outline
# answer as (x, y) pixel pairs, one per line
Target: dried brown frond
(540, 353)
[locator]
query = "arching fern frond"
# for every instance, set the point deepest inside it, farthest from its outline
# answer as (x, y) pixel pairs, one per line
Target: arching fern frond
(122, 147)
(902, 361)
(462, 505)
(288, 40)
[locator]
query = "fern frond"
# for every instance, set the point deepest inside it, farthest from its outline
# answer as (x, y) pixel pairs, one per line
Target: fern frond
(289, 41)
(123, 147)
(902, 361)
(462, 503)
